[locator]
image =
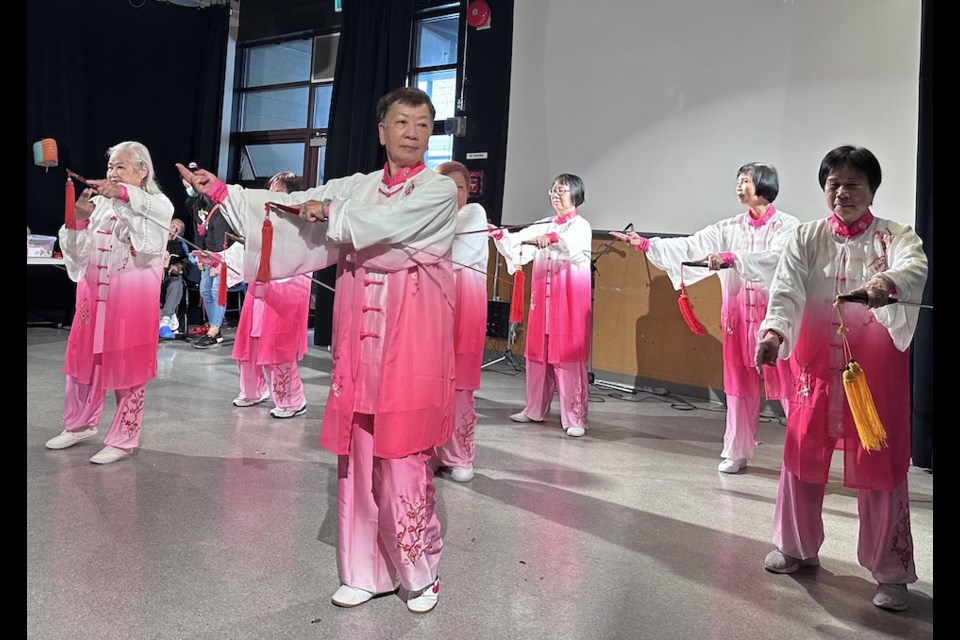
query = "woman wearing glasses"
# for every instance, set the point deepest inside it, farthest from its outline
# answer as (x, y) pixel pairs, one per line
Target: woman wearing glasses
(743, 250)
(558, 325)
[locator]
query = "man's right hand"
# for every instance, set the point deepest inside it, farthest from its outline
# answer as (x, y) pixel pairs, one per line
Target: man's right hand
(768, 348)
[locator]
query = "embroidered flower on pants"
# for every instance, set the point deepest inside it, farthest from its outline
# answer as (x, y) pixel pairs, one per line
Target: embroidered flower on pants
(902, 538)
(412, 525)
(281, 383)
(131, 413)
(465, 429)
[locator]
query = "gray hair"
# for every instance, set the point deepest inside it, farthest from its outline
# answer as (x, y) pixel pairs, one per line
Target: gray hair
(141, 156)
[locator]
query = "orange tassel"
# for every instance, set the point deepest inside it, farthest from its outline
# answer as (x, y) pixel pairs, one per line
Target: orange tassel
(516, 301)
(266, 250)
(70, 206)
(686, 310)
(222, 291)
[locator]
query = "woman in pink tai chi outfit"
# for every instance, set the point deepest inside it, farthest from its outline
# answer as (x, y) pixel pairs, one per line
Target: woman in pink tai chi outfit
(558, 322)
(272, 335)
(391, 400)
(114, 252)
(470, 254)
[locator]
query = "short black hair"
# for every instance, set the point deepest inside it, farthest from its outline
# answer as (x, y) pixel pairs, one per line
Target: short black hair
(765, 179)
(578, 193)
(857, 158)
(410, 96)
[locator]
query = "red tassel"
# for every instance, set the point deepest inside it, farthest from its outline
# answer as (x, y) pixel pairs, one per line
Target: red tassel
(222, 292)
(516, 302)
(686, 310)
(70, 206)
(266, 250)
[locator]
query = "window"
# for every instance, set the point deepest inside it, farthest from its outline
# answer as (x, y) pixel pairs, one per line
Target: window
(433, 68)
(284, 108)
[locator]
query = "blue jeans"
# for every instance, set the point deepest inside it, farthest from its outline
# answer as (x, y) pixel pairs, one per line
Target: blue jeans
(209, 290)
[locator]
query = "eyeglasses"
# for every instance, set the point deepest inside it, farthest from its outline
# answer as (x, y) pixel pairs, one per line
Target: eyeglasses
(557, 192)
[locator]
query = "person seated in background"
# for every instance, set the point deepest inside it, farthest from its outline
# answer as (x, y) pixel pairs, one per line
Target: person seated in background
(272, 334)
(177, 261)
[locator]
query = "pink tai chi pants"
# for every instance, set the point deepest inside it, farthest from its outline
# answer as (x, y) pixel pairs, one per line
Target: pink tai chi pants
(570, 378)
(885, 546)
(286, 387)
(83, 406)
(459, 451)
(389, 535)
(743, 414)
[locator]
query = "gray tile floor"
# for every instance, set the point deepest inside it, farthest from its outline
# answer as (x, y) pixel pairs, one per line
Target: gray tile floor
(223, 525)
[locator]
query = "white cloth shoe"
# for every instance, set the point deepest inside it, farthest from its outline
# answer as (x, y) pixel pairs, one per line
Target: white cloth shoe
(109, 454)
(277, 412)
(174, 323)
(522, 417)
(427, 600)
(892, 597)
(575, 432)
(350, 597)
(730, 465)
(462, 474)
(240, 401)
(70, 438)
(779, 562)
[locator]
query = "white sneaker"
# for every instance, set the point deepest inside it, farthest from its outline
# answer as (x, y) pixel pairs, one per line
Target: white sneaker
(892, 597)
(240, 401)
(427, 600)
(173, 323)
(277, 412)
(522, 417)
(164, 321)
(350, 597)
(779, 562)
(730, 465)
(462, 474)
(576, 432)
(109, 454)
(70, 438)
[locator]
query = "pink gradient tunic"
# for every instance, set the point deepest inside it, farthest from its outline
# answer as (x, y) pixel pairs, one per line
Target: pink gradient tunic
(560, 295)
(756, 245)
(470, 255)
(393, 353)
(276, 312)
(116, 259)
(818, 264)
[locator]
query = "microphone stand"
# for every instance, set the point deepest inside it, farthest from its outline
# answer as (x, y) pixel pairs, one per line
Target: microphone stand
(507, 354)
(591, 378)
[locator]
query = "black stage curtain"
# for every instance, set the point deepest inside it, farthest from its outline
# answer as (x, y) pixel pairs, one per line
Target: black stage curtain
(922, 362)
(371, 60)
(100, 72)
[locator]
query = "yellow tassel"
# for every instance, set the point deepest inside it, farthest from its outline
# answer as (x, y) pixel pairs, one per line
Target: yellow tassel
(873, 437)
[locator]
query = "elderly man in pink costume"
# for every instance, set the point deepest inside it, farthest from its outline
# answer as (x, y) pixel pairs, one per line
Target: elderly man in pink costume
(470, 254)
(272, 335)
(558, 323)
(850, 252)
(743, 251)
(114, 252)
(390, 233)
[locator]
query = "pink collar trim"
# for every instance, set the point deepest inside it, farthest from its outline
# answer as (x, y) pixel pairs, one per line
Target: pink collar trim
(852, 231)
(565, 218)
(402, 175)
(756, 223)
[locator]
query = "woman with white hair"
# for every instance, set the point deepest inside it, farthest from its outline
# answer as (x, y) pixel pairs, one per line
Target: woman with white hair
(114, 252)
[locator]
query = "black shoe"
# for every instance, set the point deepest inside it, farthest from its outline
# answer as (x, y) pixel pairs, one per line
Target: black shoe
(208, 342)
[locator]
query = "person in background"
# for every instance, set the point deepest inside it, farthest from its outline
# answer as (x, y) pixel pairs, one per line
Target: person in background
(849, 252)
(114, 252)
(743, 251)
(272, 334)
(391, 401)
(177, 260)
(212, 231)
(470, 255)
(558, 326)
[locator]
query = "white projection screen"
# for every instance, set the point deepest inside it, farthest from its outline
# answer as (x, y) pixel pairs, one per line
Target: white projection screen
(657, 103)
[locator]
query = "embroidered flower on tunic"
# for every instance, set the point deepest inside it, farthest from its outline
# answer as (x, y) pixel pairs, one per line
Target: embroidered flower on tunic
(804, 386)
(465, 430)
(336, 379)
(83, 313)
(902, 543)
(881, 241)
(412, 525)
(131, 412)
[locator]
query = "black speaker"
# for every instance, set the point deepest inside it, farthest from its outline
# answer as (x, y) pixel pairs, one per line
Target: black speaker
(498, 319)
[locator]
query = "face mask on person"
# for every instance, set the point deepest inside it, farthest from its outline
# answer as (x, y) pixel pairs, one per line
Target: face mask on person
(191, 192)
